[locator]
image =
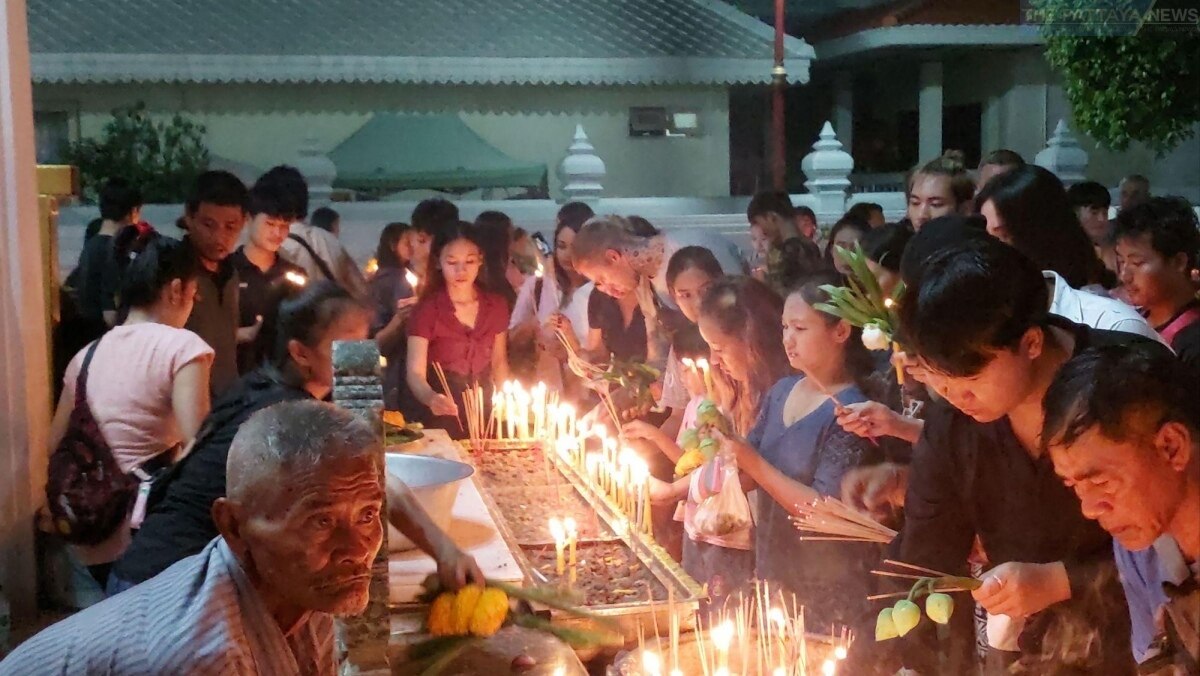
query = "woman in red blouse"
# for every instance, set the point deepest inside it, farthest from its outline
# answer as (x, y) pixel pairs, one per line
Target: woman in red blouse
(457, 324)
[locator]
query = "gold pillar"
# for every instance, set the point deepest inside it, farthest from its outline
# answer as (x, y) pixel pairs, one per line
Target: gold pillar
(54, 182)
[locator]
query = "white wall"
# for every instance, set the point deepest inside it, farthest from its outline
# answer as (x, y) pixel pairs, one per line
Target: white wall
(264, 125)
(1023, 100)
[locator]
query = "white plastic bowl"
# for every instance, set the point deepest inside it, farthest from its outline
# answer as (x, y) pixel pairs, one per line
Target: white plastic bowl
(434, 482)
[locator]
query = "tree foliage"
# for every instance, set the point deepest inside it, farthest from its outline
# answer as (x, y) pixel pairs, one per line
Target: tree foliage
(1127, 79)
(162, 158)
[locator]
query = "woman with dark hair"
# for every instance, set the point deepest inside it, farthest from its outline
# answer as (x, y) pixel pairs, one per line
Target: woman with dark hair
(1028, 208)
(557, 300)
(494, 232)
(392, 298)
(458, 324)
(845, 233)
(739, 319)
(180, 523)
(146, 380)
(690, 273)
(884, 247)
(796, 453)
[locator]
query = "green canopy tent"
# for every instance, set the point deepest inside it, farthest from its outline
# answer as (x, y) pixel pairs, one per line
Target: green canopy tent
(394, 152)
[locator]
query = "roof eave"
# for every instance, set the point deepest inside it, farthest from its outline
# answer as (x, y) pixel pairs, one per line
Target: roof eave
(927, 35)
(51, 68)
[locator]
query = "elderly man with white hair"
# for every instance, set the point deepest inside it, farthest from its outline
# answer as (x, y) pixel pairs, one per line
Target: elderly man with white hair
(299, 528)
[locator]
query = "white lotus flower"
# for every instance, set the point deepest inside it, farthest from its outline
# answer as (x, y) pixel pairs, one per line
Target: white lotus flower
(874, 338)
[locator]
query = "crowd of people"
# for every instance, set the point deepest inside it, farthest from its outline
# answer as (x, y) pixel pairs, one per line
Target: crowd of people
(1034, 424)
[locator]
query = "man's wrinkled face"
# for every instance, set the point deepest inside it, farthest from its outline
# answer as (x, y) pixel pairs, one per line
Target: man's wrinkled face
(214, 230)
(613, 275)
(1132, 487)
(311, 537)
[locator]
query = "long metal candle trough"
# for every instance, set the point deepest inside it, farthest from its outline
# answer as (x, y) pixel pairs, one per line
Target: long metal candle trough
(685, 592)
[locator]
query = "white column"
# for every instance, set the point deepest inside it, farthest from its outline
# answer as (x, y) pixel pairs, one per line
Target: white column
(929, 112)
(24, 380)
(990, 131)
(843, 109)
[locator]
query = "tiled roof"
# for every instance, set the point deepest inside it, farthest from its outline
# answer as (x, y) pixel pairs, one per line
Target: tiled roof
(456, 41)
(920, 13)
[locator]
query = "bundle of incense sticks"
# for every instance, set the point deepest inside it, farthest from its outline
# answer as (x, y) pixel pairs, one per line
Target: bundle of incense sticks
(591, 373)
(943, 582)
(478, 428)
(578, 365)
(441, 375)
(830, 519)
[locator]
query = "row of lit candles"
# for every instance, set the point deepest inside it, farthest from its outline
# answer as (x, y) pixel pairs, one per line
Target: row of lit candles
(532, 414)
(566, 537)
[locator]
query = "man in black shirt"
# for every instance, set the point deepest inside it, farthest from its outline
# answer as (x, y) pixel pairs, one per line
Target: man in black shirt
(262, 273)
(96, 295)
(978, 322)
(1157, 245)
(216, 214)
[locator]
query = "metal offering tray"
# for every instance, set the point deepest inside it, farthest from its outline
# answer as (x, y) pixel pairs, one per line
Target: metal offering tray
(685, 592)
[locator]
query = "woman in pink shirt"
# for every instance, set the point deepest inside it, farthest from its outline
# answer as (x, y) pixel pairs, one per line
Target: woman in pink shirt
(147, 384)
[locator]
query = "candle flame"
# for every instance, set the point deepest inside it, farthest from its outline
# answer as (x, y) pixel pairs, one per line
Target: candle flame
(776, 615)
(411, 277)
(722, 635)
(382, 362)
(570, 527)
(779, 671)
(556, 530)
(688, 362)
(702, 364)
(829, 668)
(372, 267)
(539, 271)
(295, 278)
(840, 652)
(652, 662)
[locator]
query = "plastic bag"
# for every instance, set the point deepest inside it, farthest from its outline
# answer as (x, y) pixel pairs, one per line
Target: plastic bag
(726, 511)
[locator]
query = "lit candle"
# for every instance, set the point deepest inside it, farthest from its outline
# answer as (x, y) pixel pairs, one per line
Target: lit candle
(722, 636)
(295, 278)
(702, 364)
(593, 468)
(560, 542)
(538, 273)
(840, 652)
(572, 539)
(413, 280)
(652, 663)
(829, 668)
(382, 362)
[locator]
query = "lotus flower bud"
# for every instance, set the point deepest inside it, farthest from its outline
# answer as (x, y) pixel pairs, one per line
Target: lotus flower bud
(885, 627)
(874, 338)
(939, 607)
(689, 440)
(905, 615)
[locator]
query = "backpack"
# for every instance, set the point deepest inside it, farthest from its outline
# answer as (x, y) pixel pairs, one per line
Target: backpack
(87, 494)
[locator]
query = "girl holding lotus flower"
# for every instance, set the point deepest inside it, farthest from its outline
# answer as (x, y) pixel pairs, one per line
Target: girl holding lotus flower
(796, 452)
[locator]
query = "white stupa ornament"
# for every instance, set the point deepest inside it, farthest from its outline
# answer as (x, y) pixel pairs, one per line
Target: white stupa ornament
(582, 171)
(1063, 156)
